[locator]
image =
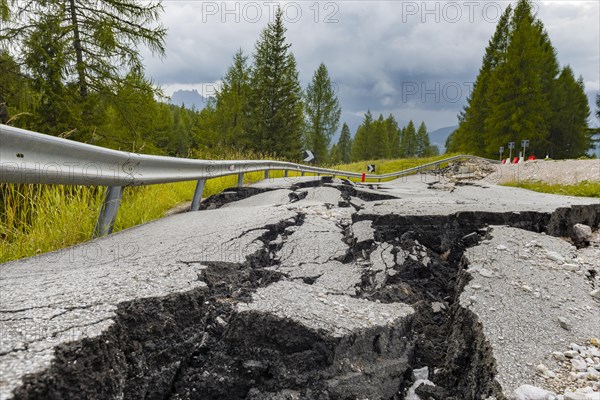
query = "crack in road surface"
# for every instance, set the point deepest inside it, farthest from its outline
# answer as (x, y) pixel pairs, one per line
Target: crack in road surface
(322, 300)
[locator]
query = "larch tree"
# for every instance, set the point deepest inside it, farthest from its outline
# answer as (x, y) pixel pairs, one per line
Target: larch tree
(322, 113)
(104, 35)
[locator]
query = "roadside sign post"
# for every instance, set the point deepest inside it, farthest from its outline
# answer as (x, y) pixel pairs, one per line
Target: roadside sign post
(501, 152)
(511, 146)
(308, 156)
(524, 145)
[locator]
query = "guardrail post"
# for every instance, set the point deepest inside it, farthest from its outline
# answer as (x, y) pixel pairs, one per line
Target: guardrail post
(198, 195)
(266, 174)
(240, 179)
(108, 212)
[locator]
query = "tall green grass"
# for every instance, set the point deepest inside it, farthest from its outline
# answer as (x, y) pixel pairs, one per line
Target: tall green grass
(40, 218)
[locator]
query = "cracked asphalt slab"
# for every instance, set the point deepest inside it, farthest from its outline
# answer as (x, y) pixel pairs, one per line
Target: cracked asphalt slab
(523, 282)
(334, 292)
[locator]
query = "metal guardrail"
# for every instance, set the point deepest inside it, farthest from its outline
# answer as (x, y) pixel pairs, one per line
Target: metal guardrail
(30, 157)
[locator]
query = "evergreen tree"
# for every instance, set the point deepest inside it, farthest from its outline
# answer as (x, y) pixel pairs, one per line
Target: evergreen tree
(128, 118)
(275, 110)
(344, 145)
(520, 105)
(231, 103)
(409, 143)
(334, 155)
(103, 35)
(16, 93)
(377, 144)
(470, 136)
(595, 132)
(520, 95)
(322, 113)
(46, 49)
(451, 144)
(393, 132)
(423, 144)
(360, 150)
(569, 123)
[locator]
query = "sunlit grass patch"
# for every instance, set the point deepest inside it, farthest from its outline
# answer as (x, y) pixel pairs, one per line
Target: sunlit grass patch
(583, 189)
(387, 166)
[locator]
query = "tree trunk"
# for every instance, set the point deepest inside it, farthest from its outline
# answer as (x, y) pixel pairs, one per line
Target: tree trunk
(4, 116)
(83, 90)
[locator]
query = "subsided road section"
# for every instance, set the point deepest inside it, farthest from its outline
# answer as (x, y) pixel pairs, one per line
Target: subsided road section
(308, 289)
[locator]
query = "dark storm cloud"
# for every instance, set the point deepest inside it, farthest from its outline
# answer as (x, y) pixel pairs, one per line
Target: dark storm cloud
(416, 60)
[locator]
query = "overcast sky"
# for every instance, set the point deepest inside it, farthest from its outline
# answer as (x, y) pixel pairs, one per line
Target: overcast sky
(414, 59)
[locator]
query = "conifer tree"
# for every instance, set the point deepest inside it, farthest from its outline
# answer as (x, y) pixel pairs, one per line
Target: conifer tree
(322, 113)
(520, 95)
(377, 144)
(569, 122)
(46, 52)
(103, 35)
(231, 103)
(423, 144)
(470, 136)
(393, 132)
(344, 145)
(275, 109)
(408, 143)
(360, 143)
(334, 155)
(520, 107)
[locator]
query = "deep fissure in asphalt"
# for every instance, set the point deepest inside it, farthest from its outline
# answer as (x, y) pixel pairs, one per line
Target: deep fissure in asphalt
(194, 345)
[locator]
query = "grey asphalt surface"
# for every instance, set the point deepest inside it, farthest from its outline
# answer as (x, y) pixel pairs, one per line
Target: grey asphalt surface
(417, 199)
(72, 294)
(519, 291)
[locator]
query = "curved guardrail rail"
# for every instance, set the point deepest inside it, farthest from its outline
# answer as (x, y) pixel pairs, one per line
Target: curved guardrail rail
(30, 157)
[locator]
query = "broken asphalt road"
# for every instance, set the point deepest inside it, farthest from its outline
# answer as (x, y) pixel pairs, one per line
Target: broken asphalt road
(305, 288)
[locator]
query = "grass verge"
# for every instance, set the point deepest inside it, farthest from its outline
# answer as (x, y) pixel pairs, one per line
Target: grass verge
(583, 189)
(387, 166)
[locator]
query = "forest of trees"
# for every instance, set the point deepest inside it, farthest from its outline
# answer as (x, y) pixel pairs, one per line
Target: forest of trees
(66, 79)
(521, 92)
(381, 139)
(77, 72)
